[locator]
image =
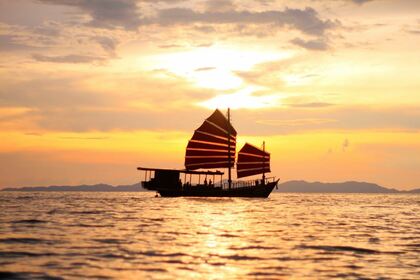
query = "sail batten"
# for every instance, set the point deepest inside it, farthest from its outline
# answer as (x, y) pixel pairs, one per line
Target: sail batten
(207, 137)
(253, 155)
(198, 143)
(192, 150)
(211, 143)
(212, 135)
(205, 154)
(252, 161)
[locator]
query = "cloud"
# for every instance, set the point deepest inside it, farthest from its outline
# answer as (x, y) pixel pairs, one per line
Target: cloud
(170, 46)
(112, 14)
(269, 122)
(413, 28)
(305, 20)
(219, 5)
(204, 45)
(306, 102)
(121, 119)
(287, 120)
(108, 44)
(50, 30)
(270, 74)
(33, 134)
(58, 43)
(205, 28)
(140, 101)
(319, 44)
(413, 31)
(311, 105)
(129, 102)
(12, 43)
(72, 58)
(108, 14)
(204, 69)
(360, 2)
(295, 122)
(83, 138)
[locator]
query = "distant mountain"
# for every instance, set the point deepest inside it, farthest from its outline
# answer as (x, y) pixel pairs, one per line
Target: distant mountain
(345, 187)
(414, 191)
(289, 186)
(82, 188)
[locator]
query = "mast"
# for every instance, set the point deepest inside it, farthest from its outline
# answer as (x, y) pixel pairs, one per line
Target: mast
(263, 165)
(229, 156)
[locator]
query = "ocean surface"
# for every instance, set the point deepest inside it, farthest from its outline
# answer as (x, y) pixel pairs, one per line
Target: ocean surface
(75, 235)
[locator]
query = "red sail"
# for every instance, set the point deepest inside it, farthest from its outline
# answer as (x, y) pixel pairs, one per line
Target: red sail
(252, 161)
(208, 147)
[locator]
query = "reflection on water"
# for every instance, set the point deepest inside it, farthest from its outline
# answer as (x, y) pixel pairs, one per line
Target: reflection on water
(134, 235)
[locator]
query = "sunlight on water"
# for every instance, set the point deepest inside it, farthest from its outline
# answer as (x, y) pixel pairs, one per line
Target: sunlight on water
(134, 235)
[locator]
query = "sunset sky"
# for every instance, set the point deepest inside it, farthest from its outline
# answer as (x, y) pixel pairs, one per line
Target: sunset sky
(91, 89)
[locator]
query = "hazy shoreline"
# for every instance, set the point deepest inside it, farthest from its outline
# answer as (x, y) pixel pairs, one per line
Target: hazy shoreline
(286, 187)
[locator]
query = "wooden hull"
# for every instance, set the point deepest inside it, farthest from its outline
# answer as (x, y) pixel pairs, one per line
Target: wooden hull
(262, 191)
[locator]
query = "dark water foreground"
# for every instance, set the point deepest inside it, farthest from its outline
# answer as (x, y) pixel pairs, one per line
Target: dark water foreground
(134, 235)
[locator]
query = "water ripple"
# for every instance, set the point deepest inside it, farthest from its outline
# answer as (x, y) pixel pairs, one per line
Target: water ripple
(29, 221)
(341, 248)
(26, 275)
(136, 236)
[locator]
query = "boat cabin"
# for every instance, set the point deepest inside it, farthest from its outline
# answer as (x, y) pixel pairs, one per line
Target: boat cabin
(157, 178)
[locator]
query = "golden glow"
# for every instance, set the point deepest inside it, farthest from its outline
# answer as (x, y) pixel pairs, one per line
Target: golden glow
(242, 99)
(214, 67)
(365, 153)
(92, 103)
(12, 111)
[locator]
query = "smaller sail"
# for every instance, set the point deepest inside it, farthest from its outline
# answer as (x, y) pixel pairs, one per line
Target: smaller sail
(252, 161)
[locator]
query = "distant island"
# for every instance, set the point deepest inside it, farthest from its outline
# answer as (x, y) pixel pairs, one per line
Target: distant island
(286, 187)
(345, 187)
(82, 188)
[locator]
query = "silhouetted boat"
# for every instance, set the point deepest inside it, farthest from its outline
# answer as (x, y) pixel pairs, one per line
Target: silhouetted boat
(212, 146)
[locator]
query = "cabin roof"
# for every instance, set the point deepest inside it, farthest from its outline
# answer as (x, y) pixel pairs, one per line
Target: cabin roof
(207, 172)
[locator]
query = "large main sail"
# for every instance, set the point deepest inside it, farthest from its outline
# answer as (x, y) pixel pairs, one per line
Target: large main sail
(209, 145)
(252, 161)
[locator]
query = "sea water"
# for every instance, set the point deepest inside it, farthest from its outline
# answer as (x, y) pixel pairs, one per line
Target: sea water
(75, 235)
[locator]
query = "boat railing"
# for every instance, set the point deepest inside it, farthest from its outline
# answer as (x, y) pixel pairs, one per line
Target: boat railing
(151, 183)
(247, 183)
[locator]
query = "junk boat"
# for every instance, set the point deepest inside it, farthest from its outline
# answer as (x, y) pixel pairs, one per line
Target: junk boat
(212, 146)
